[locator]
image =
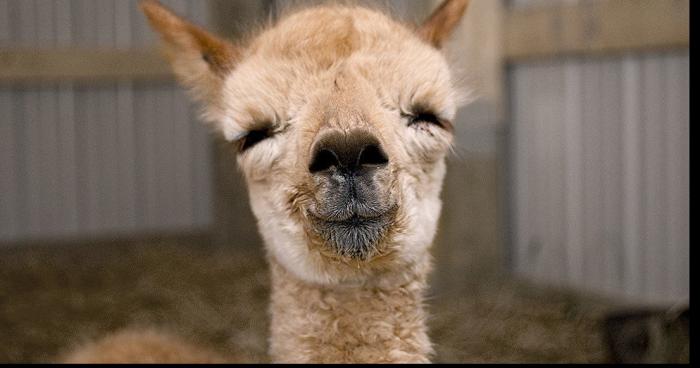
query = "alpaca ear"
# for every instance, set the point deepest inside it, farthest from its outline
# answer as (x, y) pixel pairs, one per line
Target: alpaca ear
(438, 28)
(199, 59)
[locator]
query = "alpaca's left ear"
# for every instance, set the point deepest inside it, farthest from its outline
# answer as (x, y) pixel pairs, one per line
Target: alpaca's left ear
(438, 28)
(199, 59)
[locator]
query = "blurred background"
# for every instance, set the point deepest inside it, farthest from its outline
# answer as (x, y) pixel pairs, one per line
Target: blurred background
(566, 203)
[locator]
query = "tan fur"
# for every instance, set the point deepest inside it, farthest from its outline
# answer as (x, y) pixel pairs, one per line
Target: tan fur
(319, 71)
(141, 347)
(378, 321)
(443, 22)
(200, 59)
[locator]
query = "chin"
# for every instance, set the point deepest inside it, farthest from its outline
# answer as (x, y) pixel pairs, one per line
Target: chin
(357, 237)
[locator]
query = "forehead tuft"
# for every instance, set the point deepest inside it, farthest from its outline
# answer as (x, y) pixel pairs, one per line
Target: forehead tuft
(326, 35)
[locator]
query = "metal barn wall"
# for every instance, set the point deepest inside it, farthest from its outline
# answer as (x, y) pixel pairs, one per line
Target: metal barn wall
(81, 160)
(600, 168)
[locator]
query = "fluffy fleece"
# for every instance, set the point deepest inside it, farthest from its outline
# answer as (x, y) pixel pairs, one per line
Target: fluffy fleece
(321, 71)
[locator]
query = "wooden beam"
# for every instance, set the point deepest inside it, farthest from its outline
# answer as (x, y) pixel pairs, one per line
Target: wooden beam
(81, 65)
(596, 27)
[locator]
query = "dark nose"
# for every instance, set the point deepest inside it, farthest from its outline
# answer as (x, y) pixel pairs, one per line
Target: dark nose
(348, 152)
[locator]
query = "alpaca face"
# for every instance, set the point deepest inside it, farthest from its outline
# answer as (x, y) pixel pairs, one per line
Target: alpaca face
(341, 119)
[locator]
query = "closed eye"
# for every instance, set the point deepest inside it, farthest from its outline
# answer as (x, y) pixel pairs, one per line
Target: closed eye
(427, 117)
(252, 138)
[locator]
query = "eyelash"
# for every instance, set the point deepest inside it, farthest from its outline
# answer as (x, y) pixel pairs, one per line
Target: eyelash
(253, 138)
(427, 117)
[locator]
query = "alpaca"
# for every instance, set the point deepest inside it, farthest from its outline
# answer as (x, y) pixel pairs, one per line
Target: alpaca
(341, 118)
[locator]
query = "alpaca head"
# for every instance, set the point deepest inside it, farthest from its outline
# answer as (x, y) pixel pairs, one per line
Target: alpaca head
(341, 119)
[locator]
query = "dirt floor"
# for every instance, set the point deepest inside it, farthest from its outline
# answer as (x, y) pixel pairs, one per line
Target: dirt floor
(52, 298)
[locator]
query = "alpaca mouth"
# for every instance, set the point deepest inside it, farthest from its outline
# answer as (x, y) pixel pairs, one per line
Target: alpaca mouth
(355, 237)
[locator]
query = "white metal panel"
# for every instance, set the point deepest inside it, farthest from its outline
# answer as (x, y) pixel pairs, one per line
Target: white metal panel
(631, 174)
(654, 169)
(678, 178)
(592, 174)
(611, 203)
(555, 138)
(545, 180)
(610, 244)
(573, 153)
(520, 153)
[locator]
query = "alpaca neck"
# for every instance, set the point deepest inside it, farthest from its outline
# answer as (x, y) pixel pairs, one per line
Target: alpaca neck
(377, 322)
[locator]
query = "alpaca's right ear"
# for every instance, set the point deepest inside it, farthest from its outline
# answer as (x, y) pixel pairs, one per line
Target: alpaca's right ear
(199, 59)
(443, 22)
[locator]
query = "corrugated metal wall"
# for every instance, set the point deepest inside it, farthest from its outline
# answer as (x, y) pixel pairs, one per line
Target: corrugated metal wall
(113, 158)
(600, 154)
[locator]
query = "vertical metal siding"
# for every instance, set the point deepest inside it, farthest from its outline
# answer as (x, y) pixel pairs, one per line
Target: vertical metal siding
(601, 170)
(82, 161)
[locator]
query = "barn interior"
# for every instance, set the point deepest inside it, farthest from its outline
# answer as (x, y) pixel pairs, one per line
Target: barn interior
(564, 235)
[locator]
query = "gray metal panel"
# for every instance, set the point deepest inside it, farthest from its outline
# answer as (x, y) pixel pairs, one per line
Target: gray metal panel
(591, 160)
(201, 187)
(46, 171)
(601, 174)
(86, 30)
(521, 131)
(146, 116)
(110, 159)
(545, 183)
(9, 221)
(25, 30)
(64, 23)
(45, 23)
(5, 27)
(68, 163)
(164, 162)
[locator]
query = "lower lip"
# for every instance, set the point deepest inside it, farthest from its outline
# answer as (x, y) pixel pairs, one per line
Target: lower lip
(358, 221)
(355, 221)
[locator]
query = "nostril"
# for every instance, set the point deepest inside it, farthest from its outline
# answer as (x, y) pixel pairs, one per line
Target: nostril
(323, 160)
(372, 155)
